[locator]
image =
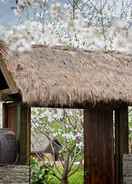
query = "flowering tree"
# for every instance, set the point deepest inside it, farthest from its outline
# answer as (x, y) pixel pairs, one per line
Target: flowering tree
(65, 126)
(92, 25)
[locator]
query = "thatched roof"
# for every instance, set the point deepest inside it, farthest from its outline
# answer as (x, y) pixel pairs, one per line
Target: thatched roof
(67, 77)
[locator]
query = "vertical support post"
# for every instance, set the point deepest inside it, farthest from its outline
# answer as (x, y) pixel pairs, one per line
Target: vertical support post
(25, 130)
(121, 139)
(98, 146)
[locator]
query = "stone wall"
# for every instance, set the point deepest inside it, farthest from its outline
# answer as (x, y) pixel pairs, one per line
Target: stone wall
(127, 169)
(14, 174)
(21, 173)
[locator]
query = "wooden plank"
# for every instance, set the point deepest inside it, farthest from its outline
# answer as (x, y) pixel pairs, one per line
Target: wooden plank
(121, 139)
(9, 116)
(98, 146)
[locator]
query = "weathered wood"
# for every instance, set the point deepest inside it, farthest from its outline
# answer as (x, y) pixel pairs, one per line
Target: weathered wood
(9, 116)
(98, 146)
(121, 139)
(5, 92)
(13, 174)
(25, 134)
(16, 116)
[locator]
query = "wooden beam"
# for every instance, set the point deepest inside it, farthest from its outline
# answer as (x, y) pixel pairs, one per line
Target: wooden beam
(98, 146)
(6, 92)
(121, 139)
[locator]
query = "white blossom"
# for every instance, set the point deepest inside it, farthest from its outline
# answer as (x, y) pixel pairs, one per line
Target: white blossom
(55, 26)
(21, 45)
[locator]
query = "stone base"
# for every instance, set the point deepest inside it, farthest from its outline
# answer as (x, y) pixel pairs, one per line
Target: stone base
(14, 174)
(127, 169)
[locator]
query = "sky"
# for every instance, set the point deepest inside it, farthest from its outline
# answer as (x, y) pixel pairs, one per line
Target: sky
(7, 16)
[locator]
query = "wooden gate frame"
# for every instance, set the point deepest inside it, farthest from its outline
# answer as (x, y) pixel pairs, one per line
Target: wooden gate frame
(102, 162)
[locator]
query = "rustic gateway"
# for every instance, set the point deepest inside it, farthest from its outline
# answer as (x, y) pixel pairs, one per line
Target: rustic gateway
(98, 82)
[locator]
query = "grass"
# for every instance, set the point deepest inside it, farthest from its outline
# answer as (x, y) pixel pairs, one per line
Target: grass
(76, 178)
(48, 174)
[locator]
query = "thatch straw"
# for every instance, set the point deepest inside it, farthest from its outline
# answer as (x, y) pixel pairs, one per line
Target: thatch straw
(3, 48)
(57, 76)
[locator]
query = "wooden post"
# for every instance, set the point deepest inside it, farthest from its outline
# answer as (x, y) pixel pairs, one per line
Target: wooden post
(121, 139)
(98, 146)
(17, 117)
(25, 134)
